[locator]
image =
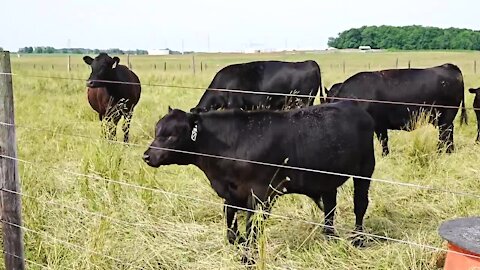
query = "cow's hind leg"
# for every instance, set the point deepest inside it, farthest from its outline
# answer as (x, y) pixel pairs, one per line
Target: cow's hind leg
(360, 201)
(126, 125)
(478, 129)
(382, 135)
(446, 130)
(109, 128)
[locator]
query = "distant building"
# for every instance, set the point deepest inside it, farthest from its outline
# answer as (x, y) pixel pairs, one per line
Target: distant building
(159, 52)
(250, 50)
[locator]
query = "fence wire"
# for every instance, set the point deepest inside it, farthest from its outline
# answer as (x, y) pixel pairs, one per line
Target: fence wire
(26, 260)
(46, 235)
(254, 211)
(253, 92)
(280, 166)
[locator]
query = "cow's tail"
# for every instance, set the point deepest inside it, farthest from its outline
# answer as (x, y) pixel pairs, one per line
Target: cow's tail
(463, 114)
(320, 87)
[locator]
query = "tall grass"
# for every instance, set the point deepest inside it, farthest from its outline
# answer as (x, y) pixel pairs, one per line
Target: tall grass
(160, 231)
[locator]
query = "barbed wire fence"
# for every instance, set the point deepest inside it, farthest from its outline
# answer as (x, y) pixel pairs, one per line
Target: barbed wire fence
(15, 259)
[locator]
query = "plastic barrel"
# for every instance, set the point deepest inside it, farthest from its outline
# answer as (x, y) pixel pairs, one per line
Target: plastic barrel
(463, 236)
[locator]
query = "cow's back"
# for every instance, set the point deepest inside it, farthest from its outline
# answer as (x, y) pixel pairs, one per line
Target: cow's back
(334, 135)
(436, 84)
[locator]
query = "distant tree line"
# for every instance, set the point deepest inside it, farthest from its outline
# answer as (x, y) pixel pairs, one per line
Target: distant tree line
(413, 37)
(51, 50)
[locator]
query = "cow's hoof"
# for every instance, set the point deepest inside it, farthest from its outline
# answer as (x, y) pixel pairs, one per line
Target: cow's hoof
(330, 233)
(247, 260)
(358, 241)
(233, 238)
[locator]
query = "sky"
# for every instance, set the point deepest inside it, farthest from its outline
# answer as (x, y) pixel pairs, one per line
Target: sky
(214, 25)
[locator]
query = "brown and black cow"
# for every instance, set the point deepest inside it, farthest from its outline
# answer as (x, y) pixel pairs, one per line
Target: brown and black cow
(113, 92)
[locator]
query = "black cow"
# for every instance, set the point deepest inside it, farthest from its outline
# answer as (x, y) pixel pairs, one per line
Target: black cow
(476, 106)
(336, 138)
(112, 100)
(302, 78)
(441, 85)
(335, 87)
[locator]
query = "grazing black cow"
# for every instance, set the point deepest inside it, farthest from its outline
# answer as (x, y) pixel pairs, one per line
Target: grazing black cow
(335, 137)
(302, 78)
(112, 100)
(441, 85)
(476, 105)
(335, 87)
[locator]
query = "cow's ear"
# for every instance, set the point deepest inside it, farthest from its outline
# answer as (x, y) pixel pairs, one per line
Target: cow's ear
(473, 90)
(88, 60)
(193, 119)
(326, 90)
(169, 109)
(116, 60)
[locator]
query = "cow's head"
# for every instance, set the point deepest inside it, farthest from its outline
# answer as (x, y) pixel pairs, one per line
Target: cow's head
(333, 92)
(476, 100)
(103, 68)
(474, 91)
(177, 131)
(210, 101)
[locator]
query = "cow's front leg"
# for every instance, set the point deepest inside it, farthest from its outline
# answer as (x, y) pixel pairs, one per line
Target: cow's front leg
(330, 204)
(251, 229)
(232, 225)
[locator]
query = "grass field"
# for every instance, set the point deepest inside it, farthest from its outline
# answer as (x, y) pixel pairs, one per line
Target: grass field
(150, 230)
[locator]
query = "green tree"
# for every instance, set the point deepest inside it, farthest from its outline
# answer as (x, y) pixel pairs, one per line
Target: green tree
(414, 37)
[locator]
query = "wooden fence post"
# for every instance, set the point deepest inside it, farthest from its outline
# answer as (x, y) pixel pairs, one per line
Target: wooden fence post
(9, 179)
(193, 64)
(396, 63)
(409, 65)
(68, 64)
(344, 66)
(201, 66)
(128, 61)
(475, 66)
(164, 66)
